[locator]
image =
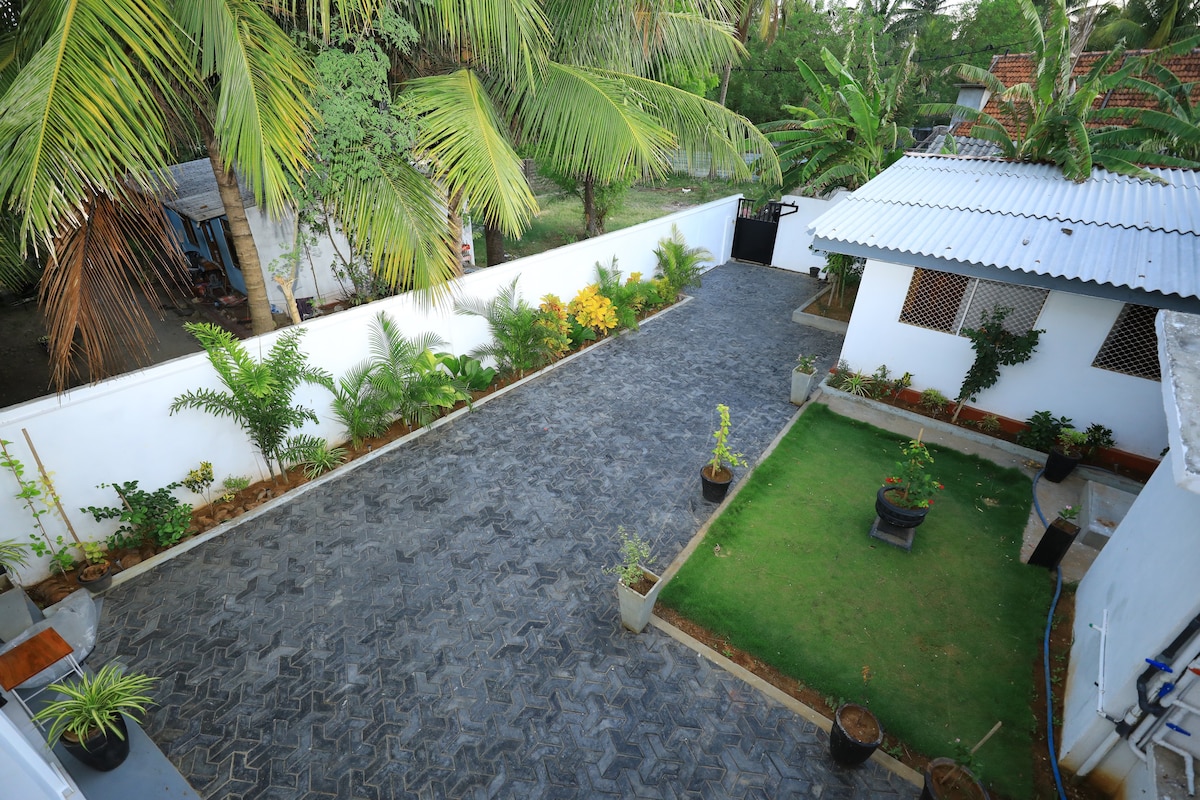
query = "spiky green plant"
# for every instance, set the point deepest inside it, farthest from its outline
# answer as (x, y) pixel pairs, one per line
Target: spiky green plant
(260, 393)
(518, 344)
(93, 702)
(678, 263)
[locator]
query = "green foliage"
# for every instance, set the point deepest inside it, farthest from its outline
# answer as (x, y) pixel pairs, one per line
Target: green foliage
(517, 345)
(1042, 430)
(848, 133)
(93, 702)
(994, 347)
(13, 554)
(722, 456)
(913, 486)
(933, 401)
(843, 271)
(318, 458)
(635, 554)
(1070, 442)
(599, 199)
(157, 516)
(36, 495)
(625, 297)
(470, 371)
(62, 562)
(231, 486)
(854, 383)
(358, 406)
(1098, 437)
(679, 264)
(990, 424)
(806, 363)
(258, 394)
(200, 480)
(95, 552)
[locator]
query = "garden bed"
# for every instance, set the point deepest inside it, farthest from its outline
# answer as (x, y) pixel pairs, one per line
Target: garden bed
(946, 635)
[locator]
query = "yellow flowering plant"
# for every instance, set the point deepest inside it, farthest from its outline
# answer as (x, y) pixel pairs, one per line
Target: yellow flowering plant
(554, 325)
(593, 310)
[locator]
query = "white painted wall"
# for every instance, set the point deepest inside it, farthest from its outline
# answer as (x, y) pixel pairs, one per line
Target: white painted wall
(120, 430)
(1059, 377)
(792, 251)
(30, 772)
(1146, 578)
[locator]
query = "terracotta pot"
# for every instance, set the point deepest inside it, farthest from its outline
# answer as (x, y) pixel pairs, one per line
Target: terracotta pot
(894, 515)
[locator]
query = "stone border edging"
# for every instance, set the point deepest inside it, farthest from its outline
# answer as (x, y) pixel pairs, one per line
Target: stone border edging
(160, 558)
(815, 321)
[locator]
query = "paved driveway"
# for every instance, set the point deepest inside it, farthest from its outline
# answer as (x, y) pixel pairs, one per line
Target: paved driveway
(435, 623)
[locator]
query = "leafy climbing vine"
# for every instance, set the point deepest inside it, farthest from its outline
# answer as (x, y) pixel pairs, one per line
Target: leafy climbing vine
(994, 347)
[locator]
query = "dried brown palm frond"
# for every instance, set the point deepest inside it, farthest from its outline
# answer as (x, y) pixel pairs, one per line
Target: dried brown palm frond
(93, 279)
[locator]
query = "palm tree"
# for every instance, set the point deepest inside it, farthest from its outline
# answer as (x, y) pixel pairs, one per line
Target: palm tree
(1149, 24)
(1051, 118)
(746, 16)
(849, 134)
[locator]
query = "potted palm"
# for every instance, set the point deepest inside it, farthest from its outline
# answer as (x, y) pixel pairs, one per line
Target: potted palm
(803, 377)
(906, 495)
(637, 587)
(717, 474)
(89, 719)
(1065, 455)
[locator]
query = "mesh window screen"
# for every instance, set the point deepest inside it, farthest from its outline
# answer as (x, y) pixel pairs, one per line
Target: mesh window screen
(1132, 345)
(934, 299)
(947, 302)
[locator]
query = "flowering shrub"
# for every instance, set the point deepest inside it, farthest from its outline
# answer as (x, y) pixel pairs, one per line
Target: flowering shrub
(553, 324)
(593, 310)
(912, 486)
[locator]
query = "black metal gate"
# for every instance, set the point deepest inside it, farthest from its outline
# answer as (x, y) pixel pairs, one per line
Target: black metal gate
(754, 232)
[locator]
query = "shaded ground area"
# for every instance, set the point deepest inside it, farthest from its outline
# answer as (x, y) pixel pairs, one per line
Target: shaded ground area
(435, 623)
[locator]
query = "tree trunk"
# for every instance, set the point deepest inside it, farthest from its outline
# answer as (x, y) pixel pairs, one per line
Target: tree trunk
(725, 82)
(243, 242)
(494, 241)
(591, 225)
(454, 220)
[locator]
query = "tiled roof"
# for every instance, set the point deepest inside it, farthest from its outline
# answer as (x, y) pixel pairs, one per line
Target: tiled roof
(1018, 68)
(942, 210)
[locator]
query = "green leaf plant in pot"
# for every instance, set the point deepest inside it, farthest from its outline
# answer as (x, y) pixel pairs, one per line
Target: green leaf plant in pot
(717, 474)
(803, 378)
(906, 494)
(89, 718)
(1065, 455)
(96, 573)
(637, 587)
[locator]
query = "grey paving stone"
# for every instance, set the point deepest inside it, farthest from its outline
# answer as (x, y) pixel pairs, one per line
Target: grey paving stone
(435, 623)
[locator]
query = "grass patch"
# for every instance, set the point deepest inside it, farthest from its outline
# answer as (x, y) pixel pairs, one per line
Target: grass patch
(560, 218)
(949, 631)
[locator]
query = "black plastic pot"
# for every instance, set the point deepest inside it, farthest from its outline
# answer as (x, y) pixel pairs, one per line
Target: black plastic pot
(844, 748)
(97, 584)
(814, 271)
(714, 491)
(895, 515)
(100, 751)
(1059, 466)
(956, 782)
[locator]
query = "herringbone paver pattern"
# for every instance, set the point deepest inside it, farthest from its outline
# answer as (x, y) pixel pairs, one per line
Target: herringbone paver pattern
(435, 623)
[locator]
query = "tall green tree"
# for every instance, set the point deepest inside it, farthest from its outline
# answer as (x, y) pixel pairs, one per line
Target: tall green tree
(1051, 118)
(848, 134)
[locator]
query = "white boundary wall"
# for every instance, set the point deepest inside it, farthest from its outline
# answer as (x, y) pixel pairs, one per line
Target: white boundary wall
(1059, 377)
(120, 430)
(792, 245)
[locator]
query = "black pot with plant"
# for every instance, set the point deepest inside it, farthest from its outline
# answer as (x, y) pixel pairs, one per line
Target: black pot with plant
(717, 474)
(906, 494)
(88, 718)
(1065, 455)
(855, 735)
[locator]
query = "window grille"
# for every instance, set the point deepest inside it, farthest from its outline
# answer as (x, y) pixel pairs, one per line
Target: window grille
(1131, 346)
(947, 302)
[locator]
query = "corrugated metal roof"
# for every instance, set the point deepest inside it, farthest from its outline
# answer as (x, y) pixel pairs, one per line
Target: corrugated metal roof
(1109, 230)
(195, 193)
(964, 145)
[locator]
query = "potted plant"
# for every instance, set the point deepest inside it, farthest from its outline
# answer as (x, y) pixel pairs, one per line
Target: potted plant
(1057, 540)
(637, 587)
(89, 719)
(717, 474)
(1065, 455)
(906, 495)
(856, 732)
(803, 377)
(96, 574)
(946, 779)
(13, 554)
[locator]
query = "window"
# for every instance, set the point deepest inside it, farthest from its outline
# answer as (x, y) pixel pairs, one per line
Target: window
(947, 302)
(1131, 346)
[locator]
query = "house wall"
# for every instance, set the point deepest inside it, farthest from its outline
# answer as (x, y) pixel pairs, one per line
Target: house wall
(315, 277)
(119, 430)
(1145, 577)
(1059, 377)
(792, 251)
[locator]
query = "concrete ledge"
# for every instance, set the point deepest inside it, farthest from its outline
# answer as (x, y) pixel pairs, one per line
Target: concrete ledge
(816, 321)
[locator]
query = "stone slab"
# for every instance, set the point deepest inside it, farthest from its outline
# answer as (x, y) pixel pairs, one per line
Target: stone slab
(896, 537)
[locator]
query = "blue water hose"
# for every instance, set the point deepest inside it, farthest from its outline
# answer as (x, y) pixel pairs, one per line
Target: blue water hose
(1046, 653)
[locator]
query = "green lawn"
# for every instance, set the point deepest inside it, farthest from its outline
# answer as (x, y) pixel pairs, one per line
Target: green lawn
(950, 631)
(560, 218)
